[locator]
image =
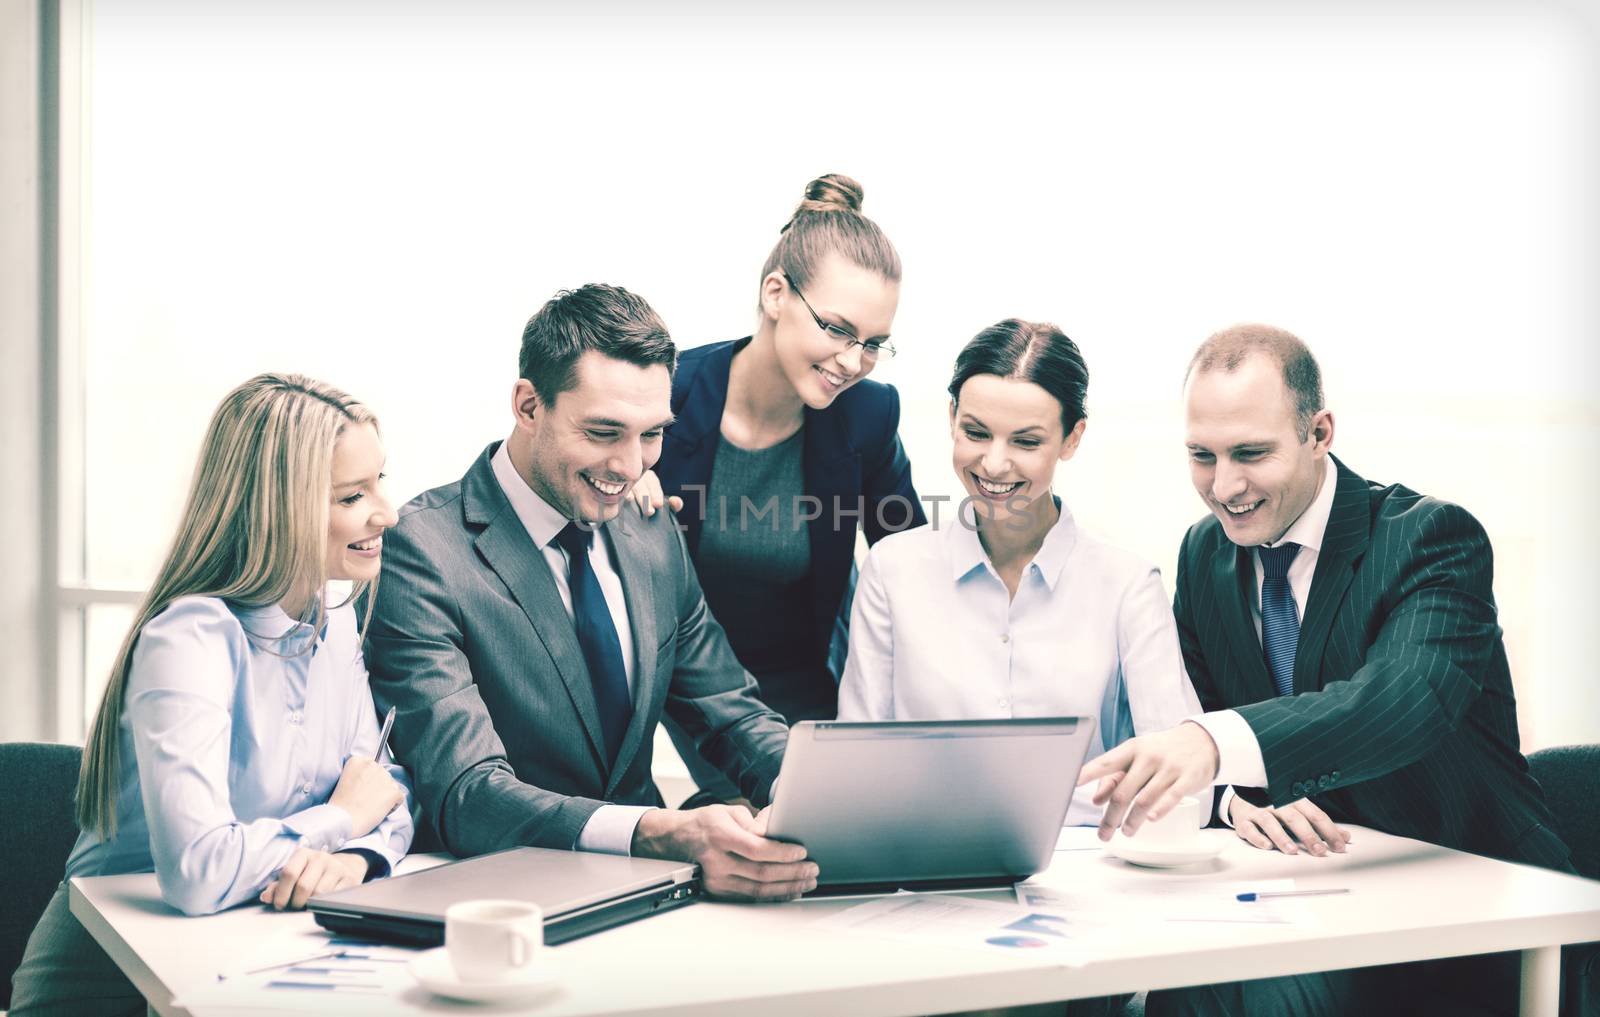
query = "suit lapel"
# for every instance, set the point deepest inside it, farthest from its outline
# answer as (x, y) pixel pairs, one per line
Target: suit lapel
(1344, 543)
(1234, 586)
(504, 545)
(636, 588)
(832, 474)
(685, 470)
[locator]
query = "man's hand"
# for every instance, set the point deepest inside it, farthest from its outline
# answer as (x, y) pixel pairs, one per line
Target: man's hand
(1145, 777)
(308, 873)
(735, 859)
(648, 496)
(1272, 828)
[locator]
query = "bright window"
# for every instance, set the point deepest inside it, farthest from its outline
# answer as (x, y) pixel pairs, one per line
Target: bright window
(379, 196)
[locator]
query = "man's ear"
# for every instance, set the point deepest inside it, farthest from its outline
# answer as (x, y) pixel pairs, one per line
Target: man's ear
(1321, 432)
(525, 406)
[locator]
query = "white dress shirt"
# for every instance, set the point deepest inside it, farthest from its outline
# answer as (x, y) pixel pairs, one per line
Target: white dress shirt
(1238, 751)
(610, 828)
(935, 635)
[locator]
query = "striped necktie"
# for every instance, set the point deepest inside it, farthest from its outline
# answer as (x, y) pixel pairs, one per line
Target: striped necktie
(1280, 621)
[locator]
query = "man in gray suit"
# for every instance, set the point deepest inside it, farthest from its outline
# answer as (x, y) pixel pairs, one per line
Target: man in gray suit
(530, 626)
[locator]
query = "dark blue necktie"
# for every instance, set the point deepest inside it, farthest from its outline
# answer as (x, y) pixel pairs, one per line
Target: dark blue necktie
(597, 636)
(1280, 622)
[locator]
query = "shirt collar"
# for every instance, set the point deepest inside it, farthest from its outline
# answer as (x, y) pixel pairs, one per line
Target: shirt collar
(1309, 529)
(538, 517)
(967, 553)
(270, 623)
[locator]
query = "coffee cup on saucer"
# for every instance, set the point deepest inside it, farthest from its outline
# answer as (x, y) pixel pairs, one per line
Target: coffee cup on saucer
(1174, 839)
(493, 940)
(493, 953)
(1175, 831)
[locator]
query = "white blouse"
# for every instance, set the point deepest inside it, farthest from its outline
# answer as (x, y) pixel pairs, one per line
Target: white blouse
(935, 636)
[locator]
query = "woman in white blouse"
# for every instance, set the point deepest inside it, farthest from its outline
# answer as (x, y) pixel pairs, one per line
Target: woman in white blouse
(1006, 608)
(236, 752)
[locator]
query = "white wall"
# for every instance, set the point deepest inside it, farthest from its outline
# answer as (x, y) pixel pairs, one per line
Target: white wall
(379, 195)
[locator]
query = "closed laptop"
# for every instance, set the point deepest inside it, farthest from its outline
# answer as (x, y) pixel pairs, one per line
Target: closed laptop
(579, 891)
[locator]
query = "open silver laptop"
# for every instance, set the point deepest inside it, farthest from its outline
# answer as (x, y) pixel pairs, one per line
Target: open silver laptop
(928, 806)
(579, 891)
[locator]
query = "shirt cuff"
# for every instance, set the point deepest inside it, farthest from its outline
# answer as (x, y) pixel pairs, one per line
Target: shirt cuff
(321, 827)
(1222, 806)
(610, 829)
(380, 844)
(1238, 753)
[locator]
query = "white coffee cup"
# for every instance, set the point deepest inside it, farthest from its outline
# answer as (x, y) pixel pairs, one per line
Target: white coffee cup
(493, 940)
(1175, 831)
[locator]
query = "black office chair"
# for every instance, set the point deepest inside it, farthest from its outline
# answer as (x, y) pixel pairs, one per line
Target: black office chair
(36, 834)
(1570, 776)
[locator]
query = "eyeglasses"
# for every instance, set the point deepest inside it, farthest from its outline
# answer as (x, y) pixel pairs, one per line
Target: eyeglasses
(870, 350)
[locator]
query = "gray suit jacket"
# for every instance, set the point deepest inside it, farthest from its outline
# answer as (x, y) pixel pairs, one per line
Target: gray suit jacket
(496, 716)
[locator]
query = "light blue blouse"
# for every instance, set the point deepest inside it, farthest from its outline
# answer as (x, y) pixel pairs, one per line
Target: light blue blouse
(236, 724)
(935, 635)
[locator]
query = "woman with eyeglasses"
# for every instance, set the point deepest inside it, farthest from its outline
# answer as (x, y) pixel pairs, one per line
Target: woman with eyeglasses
(236, 750)
(781, 449)
(1011, 609)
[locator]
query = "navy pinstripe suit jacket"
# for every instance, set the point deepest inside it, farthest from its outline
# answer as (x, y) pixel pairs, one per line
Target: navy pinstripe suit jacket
(1402, 717)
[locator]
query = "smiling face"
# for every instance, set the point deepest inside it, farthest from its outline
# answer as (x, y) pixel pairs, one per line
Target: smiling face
(1246, 457)
(361, 509)
(1008, 440)
(856, 301)
(587, 449)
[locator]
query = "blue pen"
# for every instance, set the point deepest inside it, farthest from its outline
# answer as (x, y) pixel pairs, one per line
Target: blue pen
(1269, 894)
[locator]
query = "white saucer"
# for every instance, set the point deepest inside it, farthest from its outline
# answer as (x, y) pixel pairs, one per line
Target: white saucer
(433, 969)
(1205, 846)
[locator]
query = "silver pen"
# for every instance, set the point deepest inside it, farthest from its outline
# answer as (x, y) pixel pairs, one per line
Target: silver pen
(383, 735)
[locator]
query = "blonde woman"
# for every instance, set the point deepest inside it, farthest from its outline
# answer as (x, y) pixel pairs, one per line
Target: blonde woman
(234, 753)
(782, 449)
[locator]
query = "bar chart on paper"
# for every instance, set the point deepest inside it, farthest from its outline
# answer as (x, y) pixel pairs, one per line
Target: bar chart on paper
(306, 972)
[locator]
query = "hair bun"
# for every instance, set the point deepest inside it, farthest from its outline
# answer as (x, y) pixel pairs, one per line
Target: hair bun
(831, 192)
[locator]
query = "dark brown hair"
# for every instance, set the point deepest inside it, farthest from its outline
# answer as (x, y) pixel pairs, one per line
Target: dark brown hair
(607, 319)
(1227, 349)
(1035, 351)
(829, 221)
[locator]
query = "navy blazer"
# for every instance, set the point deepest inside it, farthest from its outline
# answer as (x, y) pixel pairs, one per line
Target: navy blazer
(1402, 717)
(852, 459)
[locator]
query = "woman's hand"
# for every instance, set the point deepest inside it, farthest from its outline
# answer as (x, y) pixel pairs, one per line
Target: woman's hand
(367, 792)
(648, 496)
(309, 872)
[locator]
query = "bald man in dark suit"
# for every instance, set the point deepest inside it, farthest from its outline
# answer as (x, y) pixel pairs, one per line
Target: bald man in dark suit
(1342, 637)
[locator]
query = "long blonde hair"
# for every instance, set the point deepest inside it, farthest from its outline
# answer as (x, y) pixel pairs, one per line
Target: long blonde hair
(254, 530)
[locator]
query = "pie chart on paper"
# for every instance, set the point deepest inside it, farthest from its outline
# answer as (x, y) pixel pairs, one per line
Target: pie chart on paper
(1016, 942)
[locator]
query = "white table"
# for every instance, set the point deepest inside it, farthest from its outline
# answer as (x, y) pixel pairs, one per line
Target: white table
(1409, 901)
